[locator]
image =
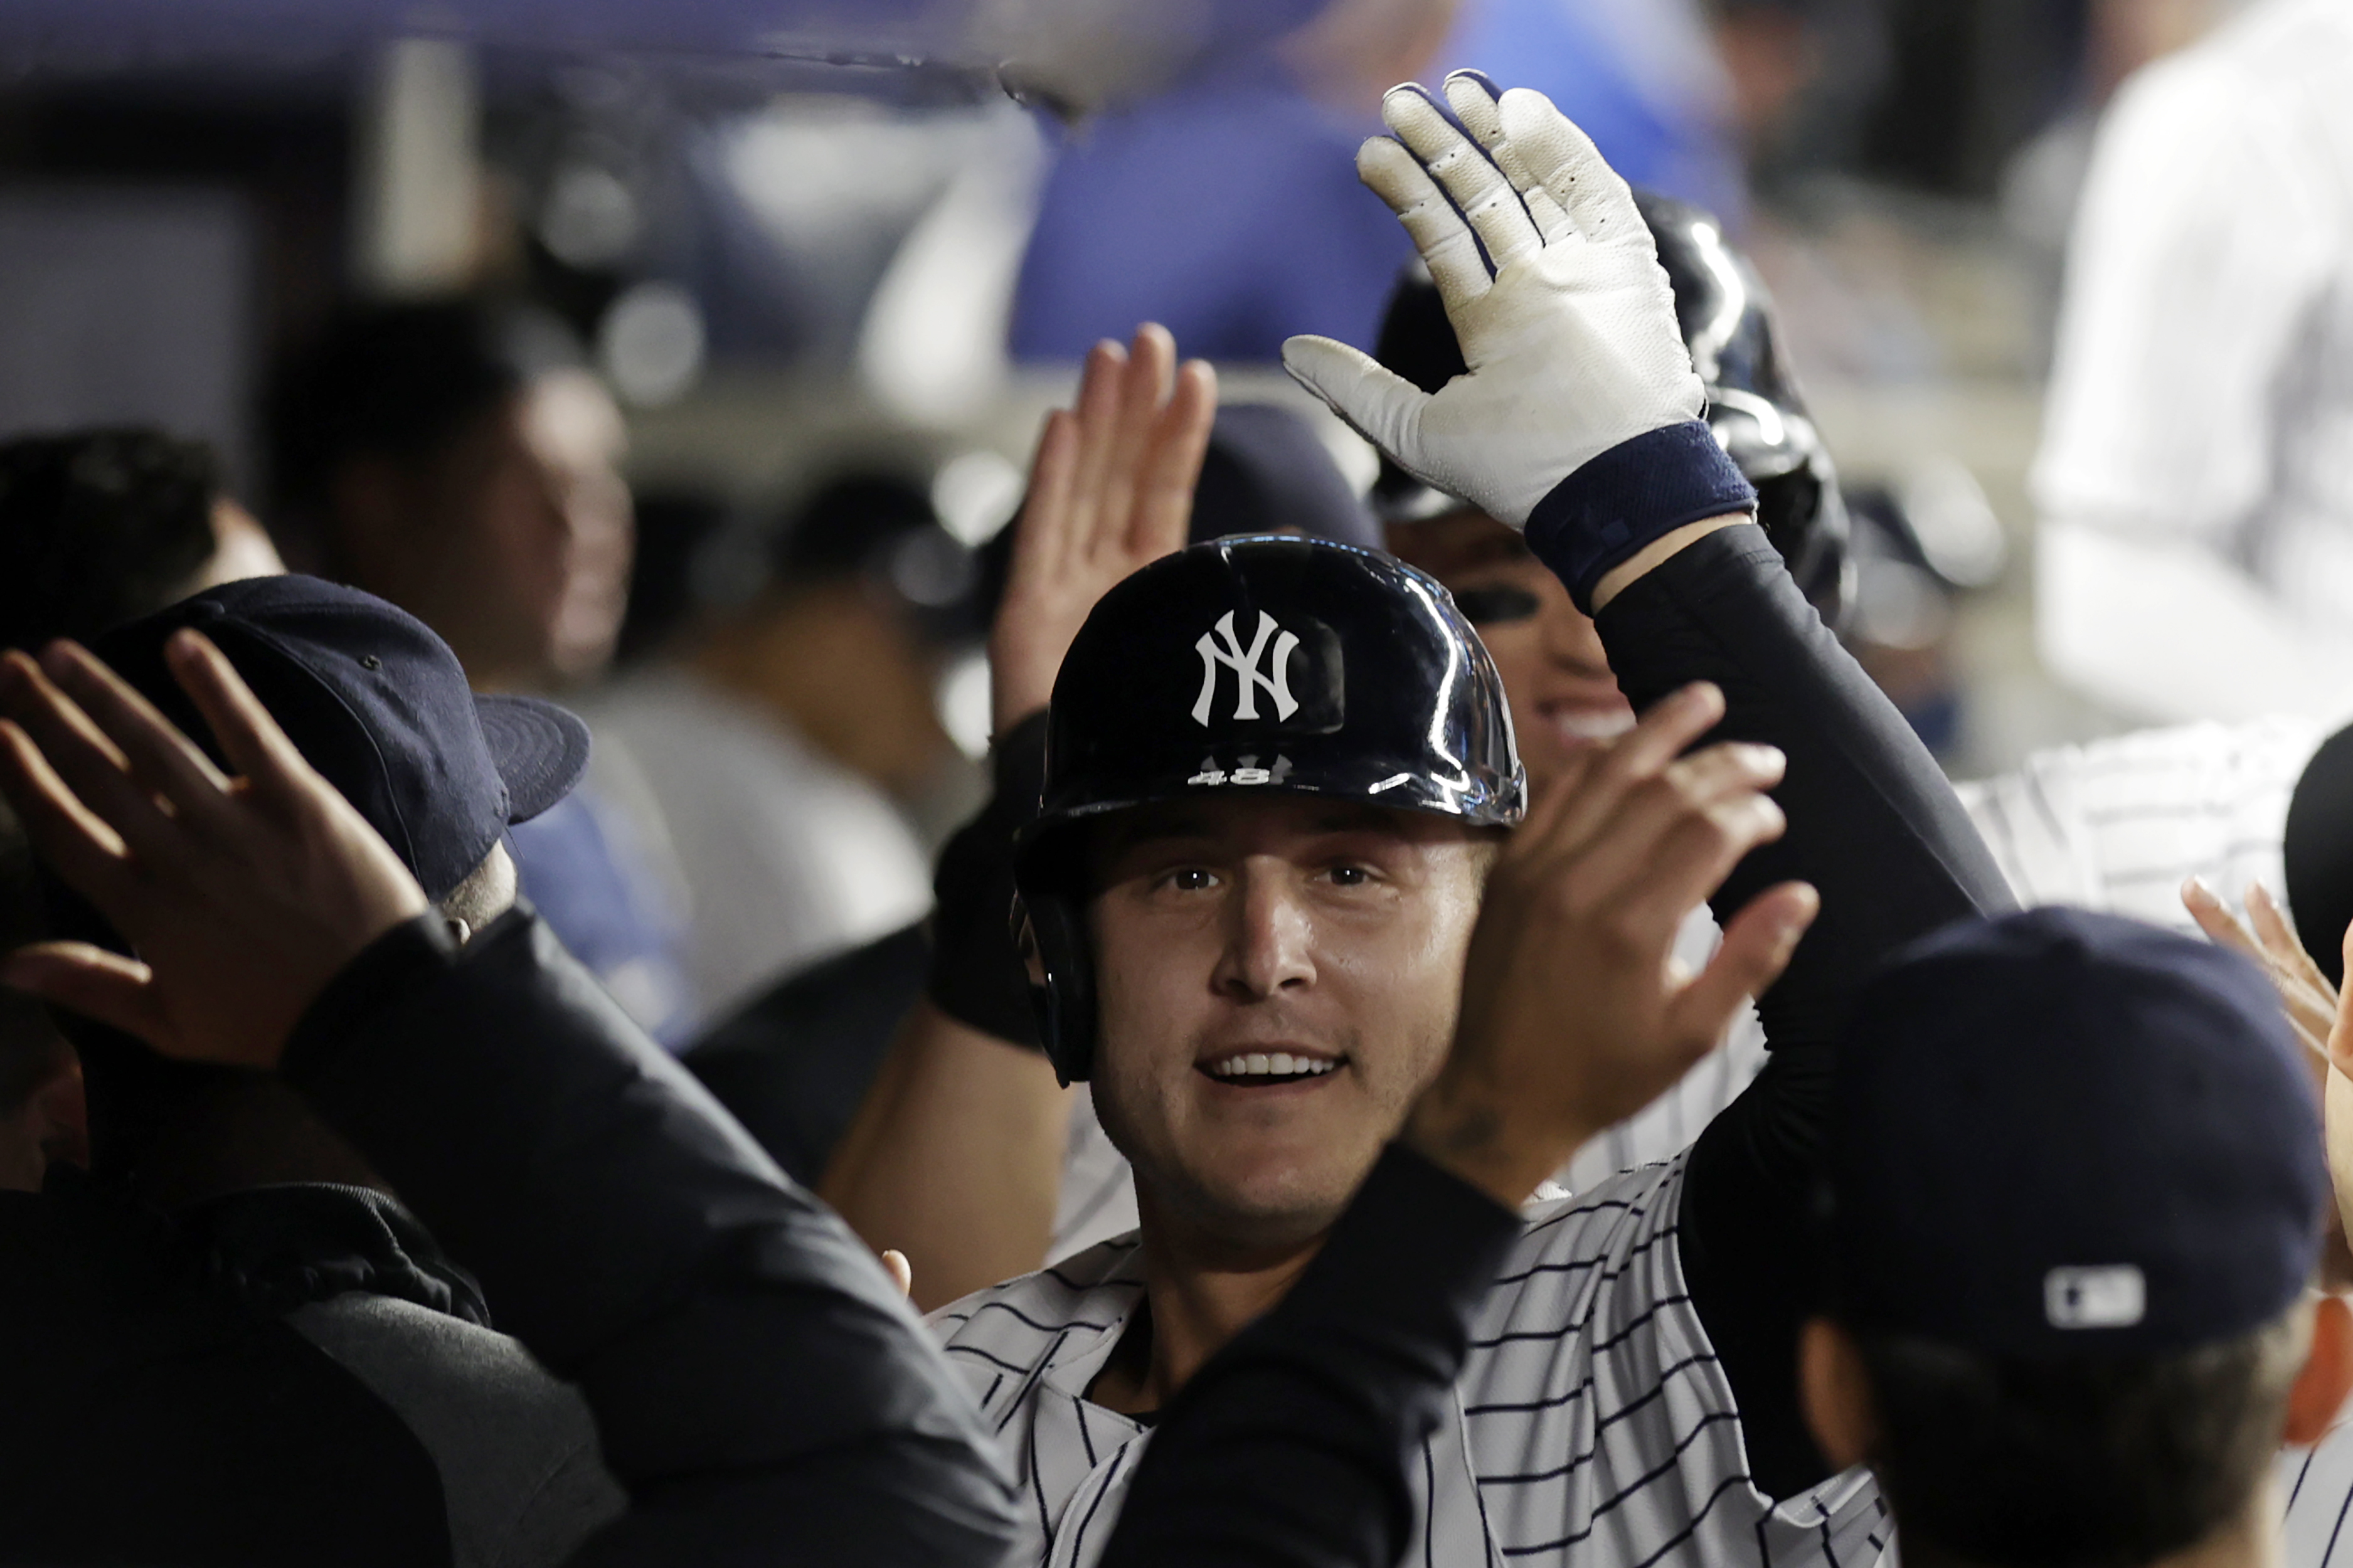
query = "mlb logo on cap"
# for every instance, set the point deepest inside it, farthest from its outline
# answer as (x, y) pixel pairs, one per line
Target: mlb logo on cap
(2015, 1097)
(2113, 1297)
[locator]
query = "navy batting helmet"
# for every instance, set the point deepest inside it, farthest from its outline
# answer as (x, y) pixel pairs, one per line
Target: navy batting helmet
(1754, 406)
(1289, 665)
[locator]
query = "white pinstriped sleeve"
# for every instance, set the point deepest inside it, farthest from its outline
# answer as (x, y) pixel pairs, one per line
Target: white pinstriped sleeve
(1602, 1430)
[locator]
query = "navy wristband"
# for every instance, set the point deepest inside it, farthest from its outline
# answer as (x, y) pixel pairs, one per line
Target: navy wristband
(1628, 496)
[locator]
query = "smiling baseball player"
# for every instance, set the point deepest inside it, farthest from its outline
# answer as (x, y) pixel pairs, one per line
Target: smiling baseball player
(1276, 772)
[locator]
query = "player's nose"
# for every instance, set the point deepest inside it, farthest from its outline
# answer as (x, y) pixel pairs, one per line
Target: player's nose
(1268, 935)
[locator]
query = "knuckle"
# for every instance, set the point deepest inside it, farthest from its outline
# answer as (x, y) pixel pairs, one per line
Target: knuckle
(1654, 790)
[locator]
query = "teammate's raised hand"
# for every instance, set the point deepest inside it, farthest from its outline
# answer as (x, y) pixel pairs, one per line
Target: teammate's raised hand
(1110, 490)
(242, 895)
(1569, 334)
(2264, 938)
(2322, 1020)
(1573, 1017)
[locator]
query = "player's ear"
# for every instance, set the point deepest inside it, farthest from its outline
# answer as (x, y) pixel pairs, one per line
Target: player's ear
(2320, 1388)
(1834, 1394)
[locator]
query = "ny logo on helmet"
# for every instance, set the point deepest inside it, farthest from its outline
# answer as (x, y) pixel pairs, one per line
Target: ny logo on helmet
(1246, 668)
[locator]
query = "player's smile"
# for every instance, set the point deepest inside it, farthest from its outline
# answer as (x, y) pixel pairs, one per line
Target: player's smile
(1259, 1070)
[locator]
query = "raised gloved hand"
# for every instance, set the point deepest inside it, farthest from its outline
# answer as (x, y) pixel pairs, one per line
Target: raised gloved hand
(1571, 340)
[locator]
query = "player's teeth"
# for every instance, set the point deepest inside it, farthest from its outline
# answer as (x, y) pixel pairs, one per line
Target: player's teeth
(1273, 1064)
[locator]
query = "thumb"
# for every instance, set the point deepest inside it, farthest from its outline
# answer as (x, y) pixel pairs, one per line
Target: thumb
(2340, 1038)
(116, 991)
(1378, 404)
(1757, 947)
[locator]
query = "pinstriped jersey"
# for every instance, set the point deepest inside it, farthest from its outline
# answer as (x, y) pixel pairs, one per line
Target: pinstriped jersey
(1591, 1423)
(2316, 1491)
(2118, 824)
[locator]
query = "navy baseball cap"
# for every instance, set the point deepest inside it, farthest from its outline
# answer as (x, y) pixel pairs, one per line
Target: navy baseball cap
(2060, 1134)
(379, 705)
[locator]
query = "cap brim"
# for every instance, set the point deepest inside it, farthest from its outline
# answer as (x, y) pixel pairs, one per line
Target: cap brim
(540, 750)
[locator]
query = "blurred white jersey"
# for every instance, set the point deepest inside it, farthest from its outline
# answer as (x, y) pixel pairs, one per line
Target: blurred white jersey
(2118, 825)
(787, 857)
(2196, 475)
(1591, 1423)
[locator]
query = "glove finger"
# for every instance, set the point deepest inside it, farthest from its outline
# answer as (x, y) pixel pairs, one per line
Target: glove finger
(1473, 95)
(1437, 230)
(1564, 160)
(1377, 404)
(1477, 188)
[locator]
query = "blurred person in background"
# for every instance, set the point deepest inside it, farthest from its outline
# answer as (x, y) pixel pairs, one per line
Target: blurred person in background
(2044, 181)
(782, 743)
(1226, 206)
(866, 590)
(1143, 218)
(456, 458)
(1646, 79)
(2195, 483)
(97, 528)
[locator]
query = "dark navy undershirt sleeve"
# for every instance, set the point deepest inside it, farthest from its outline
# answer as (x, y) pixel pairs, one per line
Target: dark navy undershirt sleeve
(1873, 825)
(759, 1384)
(1286, 1449)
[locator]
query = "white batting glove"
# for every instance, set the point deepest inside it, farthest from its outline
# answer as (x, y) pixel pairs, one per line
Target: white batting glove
(1571, 341)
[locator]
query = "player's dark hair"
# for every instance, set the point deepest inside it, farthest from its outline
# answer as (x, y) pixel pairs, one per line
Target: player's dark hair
(849, 525)
(99, 527)
(401, 381)
(2110, 1463)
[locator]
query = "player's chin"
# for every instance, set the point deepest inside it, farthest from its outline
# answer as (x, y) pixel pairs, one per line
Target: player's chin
(1276, 1216)
(1279, 1191)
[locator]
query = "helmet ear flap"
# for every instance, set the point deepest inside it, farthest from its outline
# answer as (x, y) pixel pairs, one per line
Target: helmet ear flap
(1050, 932)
